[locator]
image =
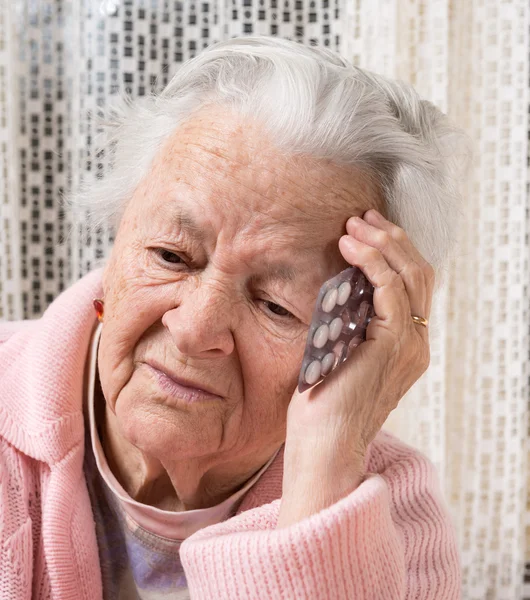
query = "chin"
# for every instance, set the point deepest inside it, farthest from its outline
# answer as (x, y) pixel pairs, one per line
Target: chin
(164, 431)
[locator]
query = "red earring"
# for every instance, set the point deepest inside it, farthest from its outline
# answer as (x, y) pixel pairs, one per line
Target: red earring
(98, 305)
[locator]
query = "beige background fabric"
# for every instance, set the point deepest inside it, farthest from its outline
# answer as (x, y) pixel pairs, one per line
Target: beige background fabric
(61, 60)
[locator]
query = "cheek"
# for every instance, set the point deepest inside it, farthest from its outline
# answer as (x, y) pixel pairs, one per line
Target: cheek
(134, 299)
(270, 370)
(131, 309)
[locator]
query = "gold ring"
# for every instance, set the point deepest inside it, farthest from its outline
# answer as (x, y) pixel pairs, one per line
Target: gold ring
(419, 320)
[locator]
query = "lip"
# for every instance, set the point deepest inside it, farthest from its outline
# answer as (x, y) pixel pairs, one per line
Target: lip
(184, 388)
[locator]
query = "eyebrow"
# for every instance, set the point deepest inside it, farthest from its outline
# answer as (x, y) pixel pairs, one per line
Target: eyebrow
(186, 221)
(281, 272)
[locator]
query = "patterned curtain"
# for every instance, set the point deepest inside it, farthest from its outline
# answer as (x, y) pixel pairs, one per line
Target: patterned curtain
(63, 60)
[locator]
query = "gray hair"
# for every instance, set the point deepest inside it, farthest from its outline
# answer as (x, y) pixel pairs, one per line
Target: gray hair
(313, 102)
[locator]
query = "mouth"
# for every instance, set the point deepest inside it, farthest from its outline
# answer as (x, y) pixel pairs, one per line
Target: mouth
(180, 387)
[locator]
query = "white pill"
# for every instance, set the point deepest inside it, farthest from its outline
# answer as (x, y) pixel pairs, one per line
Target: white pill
(329, 300)
(344, 293)
(321, 336)
(327, 363)
(335, 327)
(312, 373)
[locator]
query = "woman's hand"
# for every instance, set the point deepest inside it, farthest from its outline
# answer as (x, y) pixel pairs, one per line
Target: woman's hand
(330, 426)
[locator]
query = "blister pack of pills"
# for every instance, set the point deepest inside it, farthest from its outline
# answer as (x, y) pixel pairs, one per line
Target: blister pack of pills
(343, 310)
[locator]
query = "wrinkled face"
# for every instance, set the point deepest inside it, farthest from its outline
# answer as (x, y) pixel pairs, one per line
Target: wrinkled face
(214, 272)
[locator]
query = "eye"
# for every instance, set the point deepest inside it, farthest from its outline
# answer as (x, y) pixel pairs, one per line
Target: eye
(278, 310)
(169, 257)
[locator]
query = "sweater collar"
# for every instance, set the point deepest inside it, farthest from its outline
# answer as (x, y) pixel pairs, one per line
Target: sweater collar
(42, 369)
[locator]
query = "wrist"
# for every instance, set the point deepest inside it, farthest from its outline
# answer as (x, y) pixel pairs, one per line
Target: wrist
(321, 459)
(310, 488)
(313, 499)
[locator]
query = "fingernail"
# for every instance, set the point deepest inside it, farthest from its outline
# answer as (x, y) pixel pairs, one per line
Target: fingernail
(376, 213)
(354, 220)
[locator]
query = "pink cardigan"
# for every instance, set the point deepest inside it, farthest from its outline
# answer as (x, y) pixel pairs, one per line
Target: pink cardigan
(392, 538)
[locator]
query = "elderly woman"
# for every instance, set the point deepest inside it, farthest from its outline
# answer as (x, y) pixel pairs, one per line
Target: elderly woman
(157, 447)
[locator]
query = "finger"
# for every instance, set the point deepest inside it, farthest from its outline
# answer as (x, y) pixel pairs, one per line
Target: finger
(398, 259)
(373, 217)
(391, 301)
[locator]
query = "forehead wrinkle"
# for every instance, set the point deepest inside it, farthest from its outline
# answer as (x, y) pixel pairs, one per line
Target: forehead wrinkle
(241, 159)
(218, 152)
(351, 195)
(330, 176)
(354, 195)
(225, 132)
(304, 208)
(270, 200)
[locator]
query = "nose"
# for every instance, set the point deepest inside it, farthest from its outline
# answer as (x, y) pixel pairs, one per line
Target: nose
(202, 324)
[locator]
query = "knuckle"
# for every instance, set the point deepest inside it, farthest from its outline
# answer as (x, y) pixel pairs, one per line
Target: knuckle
(399, 234)
(383, 239)
(395, 279)
(372, 253)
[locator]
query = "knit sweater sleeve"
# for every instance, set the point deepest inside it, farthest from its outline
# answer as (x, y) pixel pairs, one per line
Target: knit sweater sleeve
(391, 538)
(16, 542)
